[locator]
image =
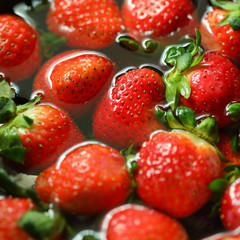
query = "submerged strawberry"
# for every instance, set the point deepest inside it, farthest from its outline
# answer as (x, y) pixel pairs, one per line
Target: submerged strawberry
(135, 222)
(74, 79)
(88, 179)
(85, 24)
(174, 171)
(125, 114)
(158, 18)
(19, 48)
(220, 29)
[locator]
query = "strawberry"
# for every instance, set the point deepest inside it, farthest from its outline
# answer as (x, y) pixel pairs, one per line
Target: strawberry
(19, 48)
(74, 79)
(136, 222)
(233, 235)
(157, 19)
(125, 114)
(11, 210)
(174, 171)
(37, 136)
(205, 82)
(87, 174)
(85, 24)
(230, 206)
(219, 29)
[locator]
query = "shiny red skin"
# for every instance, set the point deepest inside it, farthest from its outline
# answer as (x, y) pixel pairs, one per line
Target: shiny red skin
(158, 18)
(220, 38)
(230, 206)
(85, 23)
(174, 171)
(74, 80)
(53, 131)
(135, 222)
(215, 83)
(89, 179)
(11, 210)
(19, 48)
(125, 114)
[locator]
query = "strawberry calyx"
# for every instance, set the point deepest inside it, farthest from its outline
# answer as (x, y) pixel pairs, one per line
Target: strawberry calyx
(88, 235)
(11, 147)
(233, 16)
(233, 111)
(182, 57)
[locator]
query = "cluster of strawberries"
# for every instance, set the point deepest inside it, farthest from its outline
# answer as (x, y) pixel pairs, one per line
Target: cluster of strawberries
(165, 142)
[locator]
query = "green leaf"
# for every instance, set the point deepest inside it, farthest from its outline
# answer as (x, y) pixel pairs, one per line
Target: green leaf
(184, 87)
(186, 116)
(173, 122)
(231, 167)
(226, 5)
(5, 89)
(234, 23)
(233, 111)
(161, 116)
(184, 61)
(42, 225)
(218, 185)
(7, 109)
(31, 103)
(172, 53)
(129, 43)
(172, 95)
(11, 146)
(208, 128)
(235, 143)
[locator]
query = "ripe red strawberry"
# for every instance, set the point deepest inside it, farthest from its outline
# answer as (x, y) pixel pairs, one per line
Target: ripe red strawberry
(88, 179)
(11, 210)
(38, 145)
(230, 206)
(136, 222)
(174, 171)
(85, 24)
(125, 114)
(19, 48)
(74, 79)
(158, 18)
(217, 32)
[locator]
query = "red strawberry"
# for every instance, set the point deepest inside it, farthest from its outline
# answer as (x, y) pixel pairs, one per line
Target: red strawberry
(230, 206)
(174, 171)
(234, 235)
(88, 179)
(218, 34)
(136, 222)
(11, 210)
(85, 24)
(125, 114)
(74, 79)
(39, 144)
(158, 18)
(19, 48)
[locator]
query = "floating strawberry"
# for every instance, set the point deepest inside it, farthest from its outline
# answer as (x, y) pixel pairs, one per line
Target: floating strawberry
(220, 28)
(158, 18)
(74, 79)
(204, 82)
(174, 171)
(125, 114)
(37, 135)
(88, 179)
(135, 222)
(85, 24)
(19, 48)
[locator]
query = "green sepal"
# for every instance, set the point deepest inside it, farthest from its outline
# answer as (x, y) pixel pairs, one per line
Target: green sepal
(161, 116)
(22, 121)
(186, 116)
(222, 158)
(184, 61)
(233, 111)
(31, 103)
(218, 185)
(231, 167)
(197, 59)
(42, 226)
(208, 128)
(184, 87)
(8, 109)
(235, 143)
(128, 42)
(172, 95)
(5, 89)
(226, 5)
(172, 121)
(150, 46)
(172, 53)
(11, 147)
(234, 23)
